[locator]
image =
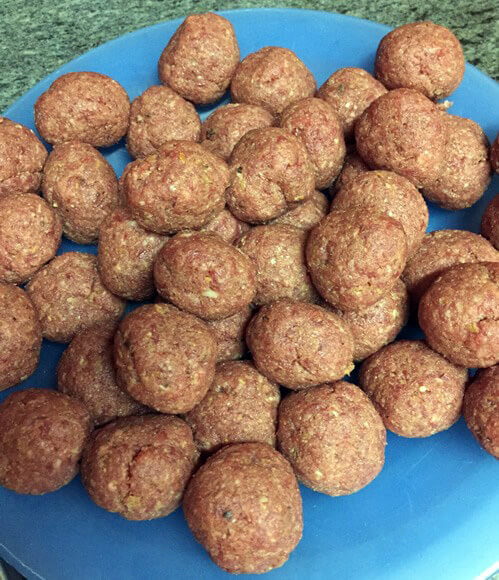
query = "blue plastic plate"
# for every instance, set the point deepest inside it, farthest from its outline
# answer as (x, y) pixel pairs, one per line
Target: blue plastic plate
(434, 510)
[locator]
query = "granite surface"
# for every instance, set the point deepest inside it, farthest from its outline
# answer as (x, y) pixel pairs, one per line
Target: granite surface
(37, 36)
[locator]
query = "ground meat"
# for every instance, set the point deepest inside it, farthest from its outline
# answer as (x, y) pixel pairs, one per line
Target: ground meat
(227, 226)
(306, 215)
(30, 234)
(121, 181)
(490, 222)
(333, 437)
(272, 78)
(69, 297)
(230, 334)
(494, 154)
(42, 433)
(460, 314)
(352, 167)
(83, 106)
(299, 345)
(200, 58)
(244, 507)
(138, 467)
(416, 391)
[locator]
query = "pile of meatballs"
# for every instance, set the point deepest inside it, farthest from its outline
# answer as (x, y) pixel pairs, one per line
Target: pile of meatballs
(287, 230)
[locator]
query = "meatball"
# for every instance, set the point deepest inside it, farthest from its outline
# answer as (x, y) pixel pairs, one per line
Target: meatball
(183, 186)
(230, 334)
(42, 434)
(278, 253)
(203, 275)
(126, 256)
(349, 91)
(22, 157)
(138, 467)
(83, 106)
(271, 173)
(333, 437)
(356, 256)
(459, 314)
(306, 215)
(30, 234)
(490, 222)
(69, 297)
(223, 129)
(82, 188)
(165, 358)
(416, 391)
(20, 336)
(227, 226)
(494, 154)
(352, 167)
(200, 58)
(299, 345)
(244, 507)
(422, 56)
(319, 129)
(404, 132)
(272, 78)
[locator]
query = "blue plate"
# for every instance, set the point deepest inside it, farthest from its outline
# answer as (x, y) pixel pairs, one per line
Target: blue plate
(434, 510)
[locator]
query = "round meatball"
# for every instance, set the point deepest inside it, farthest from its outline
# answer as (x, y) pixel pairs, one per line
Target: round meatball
(459, 314)
(416, 391)
(241, 405)
(481, 409)
(349, 91)
(30, 235)
(224, 128)
(299, 345)
(490, 222)
(20, 336)
(165, 358)
(138, 467)
(230, 334)
(83, 106)
(494, 154)
(356, 256)
(227, 226)
(278, 253)
(181, 187)
(306, 215)
(42, 434)
(353, 166)
(200, 59)
(69, 297)
(22, 157)
(203, 275)
(422, 56)
(271, 173)
(244, 507)
(404, 132)
(333, 437)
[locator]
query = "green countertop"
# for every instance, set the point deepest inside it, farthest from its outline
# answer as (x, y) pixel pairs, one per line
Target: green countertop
(37, 36)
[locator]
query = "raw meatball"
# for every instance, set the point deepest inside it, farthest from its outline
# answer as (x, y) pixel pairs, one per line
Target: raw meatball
(200, 58)
(356, 256)
(83, 106)
(241, 405)
(69, 297)
(278, 253)
(22, 157)
(333, 437)
(319, 129)
(203, 275)
(227, 226)
(126, 256)
(439, 251)
(352, 167)
(165, 358)
(416, 391)
(391, 194)
(404, 132)
(422, 56)
(494, 154)
(230, 334)
(86, 372)
(30, 234)
(460, 314)
(299, 345)
(272, 78)
(490, 222)
(159, 115)
(244, 507)
(181, 187)
(349, 91)
(306, 215)
(271, 173)
(138, 467)
(42, 433)
(223, 129)
(20, 336)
